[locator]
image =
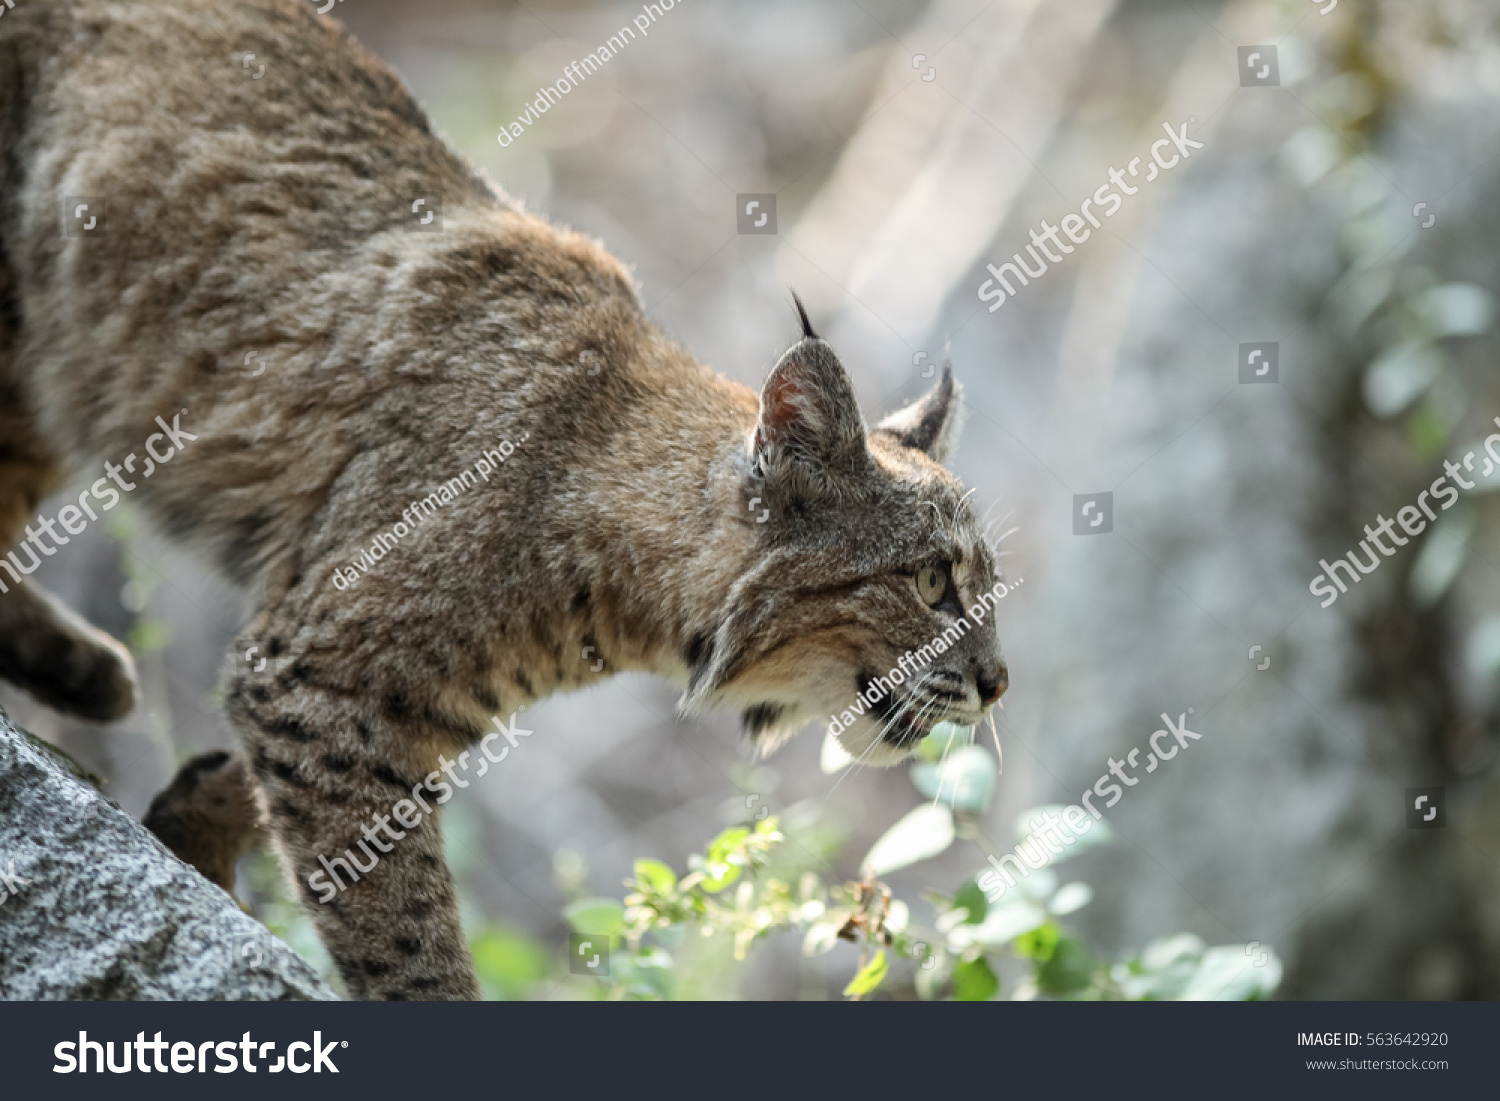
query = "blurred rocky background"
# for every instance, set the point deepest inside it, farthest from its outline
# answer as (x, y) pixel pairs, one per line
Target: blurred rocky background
(1347, 213)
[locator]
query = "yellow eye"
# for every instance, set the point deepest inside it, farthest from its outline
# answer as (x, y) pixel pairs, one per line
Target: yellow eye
(932, 585)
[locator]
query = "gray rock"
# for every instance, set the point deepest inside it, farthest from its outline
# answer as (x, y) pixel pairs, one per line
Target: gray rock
(92, 906)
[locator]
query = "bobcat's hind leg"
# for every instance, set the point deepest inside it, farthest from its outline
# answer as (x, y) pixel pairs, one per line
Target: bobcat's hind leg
(334, 766)
(210, 816)
(46, 649)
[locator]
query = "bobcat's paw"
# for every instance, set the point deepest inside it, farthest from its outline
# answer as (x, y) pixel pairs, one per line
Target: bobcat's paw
(209, 816)
(98, 682)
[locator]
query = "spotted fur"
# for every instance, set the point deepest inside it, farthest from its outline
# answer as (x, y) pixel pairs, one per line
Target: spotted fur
(758, 551)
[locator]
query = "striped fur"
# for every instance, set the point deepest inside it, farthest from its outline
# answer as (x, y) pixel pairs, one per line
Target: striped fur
(273, 216)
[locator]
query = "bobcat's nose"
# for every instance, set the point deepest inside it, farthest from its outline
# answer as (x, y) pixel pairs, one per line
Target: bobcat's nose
(992, 683)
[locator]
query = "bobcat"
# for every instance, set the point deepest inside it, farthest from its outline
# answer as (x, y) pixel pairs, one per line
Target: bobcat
(252, 278)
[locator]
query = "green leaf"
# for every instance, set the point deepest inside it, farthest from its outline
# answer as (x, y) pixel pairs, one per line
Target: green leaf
(1482, 651)
(1004, 922)
(653, 875)
(727, 843)
(1038, 886)
(1039, 944)
(929, 980)
(603, 917)
(725, 859)
(1456, 309)
(965, 780)
(1442, 557)
(971, 898)
(923, 833)
(943, 739)
(1094, 831)
(1070, 969)
(1163, 969)
(646, 975)
(718, 876)
(974, 981)
(507, 962)
(652, 957)
(1427, 430)
(823, 935)
(1235, 973)
(869, 977)
(1165, 952)
(1071, 898)
(1400, 376)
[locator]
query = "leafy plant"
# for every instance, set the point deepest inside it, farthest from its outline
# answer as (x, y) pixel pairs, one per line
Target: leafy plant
(749, 884)
(961, 954)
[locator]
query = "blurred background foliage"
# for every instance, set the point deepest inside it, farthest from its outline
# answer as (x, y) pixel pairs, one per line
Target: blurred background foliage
(1283, 838)
(679, 938)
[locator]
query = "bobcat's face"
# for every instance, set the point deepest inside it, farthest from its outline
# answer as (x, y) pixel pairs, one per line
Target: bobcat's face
(861, 601)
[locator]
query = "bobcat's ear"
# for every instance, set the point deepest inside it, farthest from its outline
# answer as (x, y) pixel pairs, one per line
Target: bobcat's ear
(932, 424)
(810, 425)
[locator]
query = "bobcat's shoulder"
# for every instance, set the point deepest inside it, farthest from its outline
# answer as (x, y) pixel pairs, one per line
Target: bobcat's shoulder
(439, 445)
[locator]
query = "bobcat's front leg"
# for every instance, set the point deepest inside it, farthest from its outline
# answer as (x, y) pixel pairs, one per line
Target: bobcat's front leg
(337, 768)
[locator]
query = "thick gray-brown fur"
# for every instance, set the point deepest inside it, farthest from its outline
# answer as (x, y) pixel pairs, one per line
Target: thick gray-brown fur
(274, 216)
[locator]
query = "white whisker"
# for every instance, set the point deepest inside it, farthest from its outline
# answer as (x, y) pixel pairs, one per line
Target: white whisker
(962, 501)
(941, 762)
(850, 768)
(996, 523)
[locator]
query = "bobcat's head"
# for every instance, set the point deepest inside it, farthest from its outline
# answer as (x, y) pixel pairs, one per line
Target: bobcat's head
(856, 593)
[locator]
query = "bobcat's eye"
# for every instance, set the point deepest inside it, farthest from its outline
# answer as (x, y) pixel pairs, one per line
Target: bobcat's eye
(932, 584)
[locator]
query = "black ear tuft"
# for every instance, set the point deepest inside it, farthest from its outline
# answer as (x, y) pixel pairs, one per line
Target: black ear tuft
(807, 329)
(930, 425)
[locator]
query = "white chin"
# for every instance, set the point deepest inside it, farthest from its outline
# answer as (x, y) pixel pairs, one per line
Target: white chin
(862, 741)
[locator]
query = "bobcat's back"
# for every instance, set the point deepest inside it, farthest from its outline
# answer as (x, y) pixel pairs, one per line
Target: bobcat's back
(284, 264)
(258, 270)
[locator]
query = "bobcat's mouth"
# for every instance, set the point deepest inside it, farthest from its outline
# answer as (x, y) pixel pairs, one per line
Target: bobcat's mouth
(904, 724)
